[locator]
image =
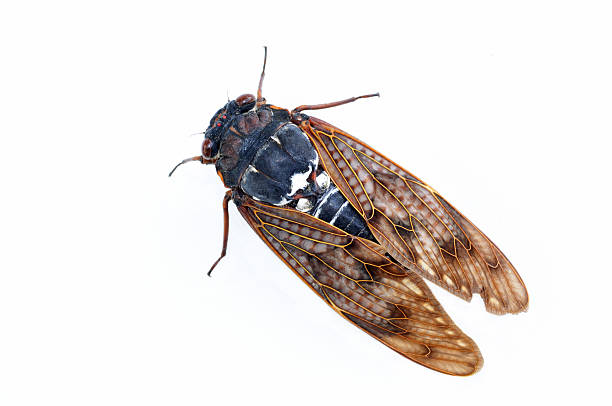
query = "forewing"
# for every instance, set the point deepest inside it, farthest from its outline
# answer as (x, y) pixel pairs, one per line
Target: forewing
(358, 281)
(415, 225)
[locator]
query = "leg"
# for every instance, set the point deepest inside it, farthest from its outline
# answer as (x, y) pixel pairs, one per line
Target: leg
(260, 100)
(200, 158)
(333, 104)
(226, 199)
(184, 161)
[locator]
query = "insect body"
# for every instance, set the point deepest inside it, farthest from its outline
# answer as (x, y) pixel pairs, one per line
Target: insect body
(361, 231)
(267, 157)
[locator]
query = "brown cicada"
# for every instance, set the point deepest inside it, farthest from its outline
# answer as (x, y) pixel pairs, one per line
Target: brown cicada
(360, 230)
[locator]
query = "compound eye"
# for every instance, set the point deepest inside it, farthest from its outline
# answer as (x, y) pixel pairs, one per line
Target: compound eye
(207, 148)
(245, 102)
(245, 99)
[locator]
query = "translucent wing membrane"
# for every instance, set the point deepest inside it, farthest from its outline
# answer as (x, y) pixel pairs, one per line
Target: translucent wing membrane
(357, 280)
(415, 225)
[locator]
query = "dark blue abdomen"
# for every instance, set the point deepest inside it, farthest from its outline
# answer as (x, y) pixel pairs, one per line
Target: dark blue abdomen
(334, 209)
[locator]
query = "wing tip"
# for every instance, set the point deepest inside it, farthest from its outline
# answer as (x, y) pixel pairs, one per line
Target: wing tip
(476, 368)
(455, 367)
(515, 305)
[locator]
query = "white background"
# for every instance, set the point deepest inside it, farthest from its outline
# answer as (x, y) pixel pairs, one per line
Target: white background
(503, 107)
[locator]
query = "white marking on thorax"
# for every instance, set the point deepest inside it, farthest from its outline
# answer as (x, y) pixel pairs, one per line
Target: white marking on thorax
(299, 181)
(315, 161)
(282, 202)
(250, 169)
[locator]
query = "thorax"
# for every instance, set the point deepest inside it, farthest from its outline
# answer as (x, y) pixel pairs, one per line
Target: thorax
(266, 156)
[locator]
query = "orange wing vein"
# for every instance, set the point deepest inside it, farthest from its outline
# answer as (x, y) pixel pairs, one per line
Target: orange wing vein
(415, 225)
(353, 275)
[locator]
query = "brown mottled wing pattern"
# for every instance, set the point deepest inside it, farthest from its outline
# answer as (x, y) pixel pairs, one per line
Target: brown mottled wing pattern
(358, 281)
(415, 225)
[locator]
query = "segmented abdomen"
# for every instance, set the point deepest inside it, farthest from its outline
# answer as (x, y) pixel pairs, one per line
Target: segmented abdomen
(334, 209)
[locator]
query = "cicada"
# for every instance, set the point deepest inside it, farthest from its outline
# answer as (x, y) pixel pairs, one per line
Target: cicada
(357, 228)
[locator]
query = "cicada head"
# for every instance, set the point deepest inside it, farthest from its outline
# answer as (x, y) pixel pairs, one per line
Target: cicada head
(220, 122)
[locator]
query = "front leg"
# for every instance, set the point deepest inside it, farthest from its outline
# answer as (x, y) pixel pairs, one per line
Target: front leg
(226, 200)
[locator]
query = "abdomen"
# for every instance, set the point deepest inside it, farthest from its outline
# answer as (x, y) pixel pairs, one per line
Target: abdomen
(334, 209)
